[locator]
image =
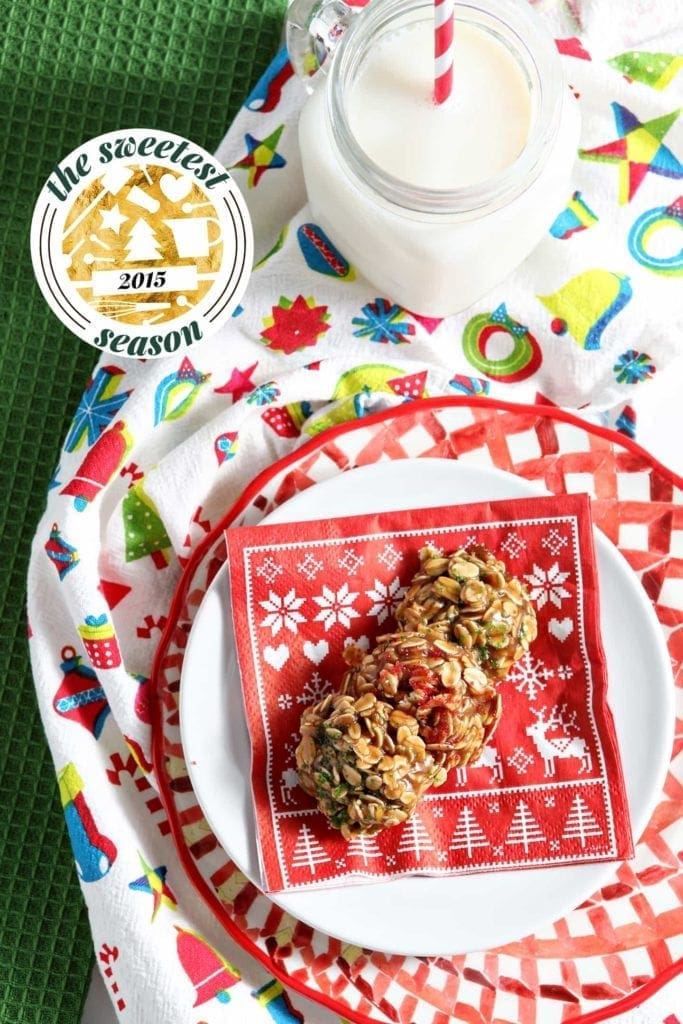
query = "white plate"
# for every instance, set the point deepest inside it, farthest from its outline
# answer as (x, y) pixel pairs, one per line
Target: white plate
(426, 916)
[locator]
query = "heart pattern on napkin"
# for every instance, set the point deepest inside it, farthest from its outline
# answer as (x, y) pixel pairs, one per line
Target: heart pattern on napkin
(561, 629)
(276, 656)
(316, 652)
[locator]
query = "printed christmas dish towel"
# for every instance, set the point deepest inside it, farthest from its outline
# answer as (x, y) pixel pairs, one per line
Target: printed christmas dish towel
(548, 789)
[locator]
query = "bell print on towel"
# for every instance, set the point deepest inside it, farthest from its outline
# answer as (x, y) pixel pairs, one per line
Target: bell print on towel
(587, 304)
(210, 974)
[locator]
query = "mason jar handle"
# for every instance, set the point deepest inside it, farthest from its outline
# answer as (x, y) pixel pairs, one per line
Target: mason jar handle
(314, 28)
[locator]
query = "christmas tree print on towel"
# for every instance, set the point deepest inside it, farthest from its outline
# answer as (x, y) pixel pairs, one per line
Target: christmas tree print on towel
(415, 839)
(144, 531)
(363, 847)
(294, 324)
(654, 69)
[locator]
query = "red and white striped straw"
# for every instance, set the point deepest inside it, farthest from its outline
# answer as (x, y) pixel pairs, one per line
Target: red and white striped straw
(443, 49)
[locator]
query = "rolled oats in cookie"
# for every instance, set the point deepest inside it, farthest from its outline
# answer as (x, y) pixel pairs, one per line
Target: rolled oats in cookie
(364, 762)
(435, 682)
(468, 597)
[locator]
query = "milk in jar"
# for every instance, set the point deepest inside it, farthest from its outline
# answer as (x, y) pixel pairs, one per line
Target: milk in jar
(436, 204)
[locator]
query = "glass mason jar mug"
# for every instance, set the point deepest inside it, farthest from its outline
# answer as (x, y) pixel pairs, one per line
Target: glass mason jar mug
(434, 207)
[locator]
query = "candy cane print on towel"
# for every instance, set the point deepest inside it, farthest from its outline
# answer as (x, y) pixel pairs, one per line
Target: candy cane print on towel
(435, 227)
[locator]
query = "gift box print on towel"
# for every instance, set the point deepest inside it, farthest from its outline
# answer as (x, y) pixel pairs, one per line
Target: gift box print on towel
(548, 789)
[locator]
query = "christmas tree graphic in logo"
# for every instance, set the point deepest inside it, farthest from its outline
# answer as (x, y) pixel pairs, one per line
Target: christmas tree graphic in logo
(143, 244)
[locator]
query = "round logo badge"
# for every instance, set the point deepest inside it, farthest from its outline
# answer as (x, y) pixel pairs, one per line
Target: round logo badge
(141, 243)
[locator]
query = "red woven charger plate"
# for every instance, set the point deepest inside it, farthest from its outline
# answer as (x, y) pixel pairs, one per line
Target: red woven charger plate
(621, 943)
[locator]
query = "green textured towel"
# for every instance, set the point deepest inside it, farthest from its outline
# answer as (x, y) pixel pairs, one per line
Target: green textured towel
(69, 71)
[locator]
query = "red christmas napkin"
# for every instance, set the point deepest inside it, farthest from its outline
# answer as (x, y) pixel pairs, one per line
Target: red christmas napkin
(549, 788)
